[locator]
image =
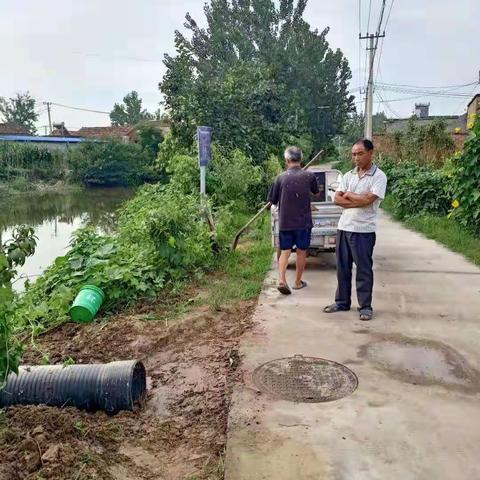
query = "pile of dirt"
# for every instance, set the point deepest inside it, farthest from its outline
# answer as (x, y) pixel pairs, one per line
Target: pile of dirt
(178, 433)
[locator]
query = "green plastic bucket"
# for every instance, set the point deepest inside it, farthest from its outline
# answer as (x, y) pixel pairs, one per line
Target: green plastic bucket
(86, 304)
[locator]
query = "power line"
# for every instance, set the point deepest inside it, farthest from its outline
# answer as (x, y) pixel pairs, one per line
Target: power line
(372, 48)
(359, 43)
(385, 102)
(79, 108)
(382, 11)
(369, 12)
(427, 93)
(457, 110)
(381, 45)
(389, 13)
(366, 51)
(437, 87)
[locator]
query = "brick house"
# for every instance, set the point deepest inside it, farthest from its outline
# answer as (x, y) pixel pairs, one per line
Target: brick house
(456, 126)
(104, 133)
(11, 128)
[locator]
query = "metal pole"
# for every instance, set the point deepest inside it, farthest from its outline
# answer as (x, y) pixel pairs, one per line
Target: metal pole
(369, 104)
(49, 116)
(203, 175)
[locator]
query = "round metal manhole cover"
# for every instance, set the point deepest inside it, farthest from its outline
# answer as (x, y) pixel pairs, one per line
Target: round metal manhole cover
(305, 379)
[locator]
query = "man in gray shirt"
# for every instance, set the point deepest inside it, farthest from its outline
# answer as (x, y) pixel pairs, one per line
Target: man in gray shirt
(360, 193)
(291, 192)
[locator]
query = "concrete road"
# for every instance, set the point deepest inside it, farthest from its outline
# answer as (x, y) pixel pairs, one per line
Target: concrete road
(416, 412)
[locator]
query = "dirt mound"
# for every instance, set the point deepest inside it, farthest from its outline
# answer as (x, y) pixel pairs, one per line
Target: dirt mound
(180, 431)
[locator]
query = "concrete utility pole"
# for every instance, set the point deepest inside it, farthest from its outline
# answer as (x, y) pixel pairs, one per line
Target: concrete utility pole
(49, 117)
(372, 47)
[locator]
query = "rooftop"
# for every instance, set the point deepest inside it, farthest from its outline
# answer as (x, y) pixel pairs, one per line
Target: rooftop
(103, 132)
(11, 128)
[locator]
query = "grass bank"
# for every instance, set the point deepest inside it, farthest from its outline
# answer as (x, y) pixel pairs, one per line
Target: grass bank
(21, 186)
(442, 229)
(189, 342)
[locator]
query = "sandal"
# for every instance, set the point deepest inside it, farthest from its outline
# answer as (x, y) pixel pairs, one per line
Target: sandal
(366, 314)
(334, 308)
(284, 288)
(302, 285)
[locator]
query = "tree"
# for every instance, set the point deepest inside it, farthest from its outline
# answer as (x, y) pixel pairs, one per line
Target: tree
(20, 110)
(150, 138)
(129, 112)
(256, 74)
(354, 127)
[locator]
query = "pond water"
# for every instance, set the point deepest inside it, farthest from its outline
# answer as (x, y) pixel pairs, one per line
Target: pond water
(55, 216)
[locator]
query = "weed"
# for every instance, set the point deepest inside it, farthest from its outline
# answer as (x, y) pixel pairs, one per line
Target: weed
(81, 428)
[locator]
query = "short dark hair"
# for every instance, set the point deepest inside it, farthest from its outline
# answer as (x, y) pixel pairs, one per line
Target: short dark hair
(368, 144)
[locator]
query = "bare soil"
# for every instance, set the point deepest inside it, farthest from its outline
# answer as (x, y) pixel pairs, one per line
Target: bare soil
(179, 432)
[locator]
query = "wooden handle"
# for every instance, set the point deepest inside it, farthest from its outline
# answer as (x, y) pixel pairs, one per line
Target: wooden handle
(266, 206)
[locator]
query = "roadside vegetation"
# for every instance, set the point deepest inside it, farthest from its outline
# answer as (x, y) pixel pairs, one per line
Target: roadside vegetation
(163, 243)
(29, 168)
(432, 188)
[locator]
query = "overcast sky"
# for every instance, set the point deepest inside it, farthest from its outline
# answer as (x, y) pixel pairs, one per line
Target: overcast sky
(90, 53)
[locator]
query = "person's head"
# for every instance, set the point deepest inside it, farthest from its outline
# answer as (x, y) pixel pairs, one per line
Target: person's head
(293, 156)
(362, 153)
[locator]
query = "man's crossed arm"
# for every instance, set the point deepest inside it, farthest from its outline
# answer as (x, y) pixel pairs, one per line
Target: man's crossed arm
(354, 200)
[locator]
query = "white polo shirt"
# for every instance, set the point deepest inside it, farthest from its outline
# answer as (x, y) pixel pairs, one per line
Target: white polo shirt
(362, 219)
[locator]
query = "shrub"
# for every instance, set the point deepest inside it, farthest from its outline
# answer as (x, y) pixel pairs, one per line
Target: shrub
(183, 173)
(149, 138)
(161, 239)
(424, 191)
(30, 162)
(12, 254)
(232, 178)
(429, 144)
(109, 163)
(466, 182)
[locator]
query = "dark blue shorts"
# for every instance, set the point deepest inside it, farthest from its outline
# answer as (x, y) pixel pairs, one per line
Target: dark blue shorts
(298, 238)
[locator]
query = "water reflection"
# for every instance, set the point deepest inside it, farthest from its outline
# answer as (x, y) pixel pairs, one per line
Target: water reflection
(55, 217)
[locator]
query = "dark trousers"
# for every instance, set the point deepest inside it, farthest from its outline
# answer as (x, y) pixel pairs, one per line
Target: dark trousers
(358, 248)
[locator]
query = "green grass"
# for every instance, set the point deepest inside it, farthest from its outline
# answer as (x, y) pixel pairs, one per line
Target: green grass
(243, 271)
(441, 229)
(238, 275)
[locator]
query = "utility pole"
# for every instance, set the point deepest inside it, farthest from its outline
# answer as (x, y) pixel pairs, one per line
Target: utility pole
(372, 47)
(49, 116)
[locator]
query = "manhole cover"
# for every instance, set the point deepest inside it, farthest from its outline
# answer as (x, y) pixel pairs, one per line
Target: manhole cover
(305, 379)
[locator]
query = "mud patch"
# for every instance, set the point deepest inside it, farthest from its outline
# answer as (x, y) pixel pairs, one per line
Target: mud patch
(422, 362)
(179, 433)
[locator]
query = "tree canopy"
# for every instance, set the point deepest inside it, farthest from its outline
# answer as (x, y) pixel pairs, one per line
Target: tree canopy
(19, 110)
(130, 112)
(259, 75)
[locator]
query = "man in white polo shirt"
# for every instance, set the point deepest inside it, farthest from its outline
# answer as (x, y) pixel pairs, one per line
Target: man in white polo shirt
(359, 193)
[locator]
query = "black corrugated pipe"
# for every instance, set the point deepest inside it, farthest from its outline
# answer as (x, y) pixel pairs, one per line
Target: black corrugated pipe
(111, 387)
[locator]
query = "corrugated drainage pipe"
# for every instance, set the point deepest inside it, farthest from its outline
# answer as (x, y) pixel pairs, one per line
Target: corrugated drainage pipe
(111, 387)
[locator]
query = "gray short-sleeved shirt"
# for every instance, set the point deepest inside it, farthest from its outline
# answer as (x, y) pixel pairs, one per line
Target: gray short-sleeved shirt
(362, 219)
(291, 192)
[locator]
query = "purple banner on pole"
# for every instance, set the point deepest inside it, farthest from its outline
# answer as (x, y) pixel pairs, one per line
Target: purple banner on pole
(204, 135)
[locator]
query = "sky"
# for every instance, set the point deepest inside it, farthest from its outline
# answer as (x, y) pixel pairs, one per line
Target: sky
(90, 53)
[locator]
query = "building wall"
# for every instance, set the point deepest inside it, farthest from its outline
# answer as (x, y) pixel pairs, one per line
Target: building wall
(473, 112)
(452, 123)
(384, 144)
